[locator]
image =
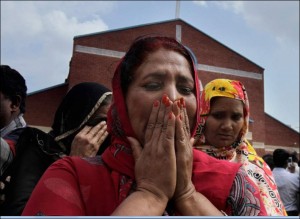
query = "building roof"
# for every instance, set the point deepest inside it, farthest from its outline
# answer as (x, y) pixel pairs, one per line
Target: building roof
(48, 88)
(287, 126)
(161, 22)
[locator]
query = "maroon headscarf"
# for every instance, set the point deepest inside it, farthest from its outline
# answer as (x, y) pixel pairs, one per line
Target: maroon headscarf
(118, 121)
(207, 171)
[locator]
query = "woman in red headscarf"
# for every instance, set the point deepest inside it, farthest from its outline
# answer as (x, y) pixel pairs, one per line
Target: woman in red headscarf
(150, 168)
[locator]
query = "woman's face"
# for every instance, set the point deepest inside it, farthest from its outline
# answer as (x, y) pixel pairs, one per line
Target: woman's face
(224, 122)
(99, 115)
(162, 72)
(6, 109)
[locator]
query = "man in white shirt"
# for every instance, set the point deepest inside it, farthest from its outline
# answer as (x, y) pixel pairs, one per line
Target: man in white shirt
(293, 165)
(287, 183)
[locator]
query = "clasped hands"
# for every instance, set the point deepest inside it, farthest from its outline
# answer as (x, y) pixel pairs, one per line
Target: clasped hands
(163, 164)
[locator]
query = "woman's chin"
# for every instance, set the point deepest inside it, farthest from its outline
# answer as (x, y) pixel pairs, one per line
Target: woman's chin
(223, 144)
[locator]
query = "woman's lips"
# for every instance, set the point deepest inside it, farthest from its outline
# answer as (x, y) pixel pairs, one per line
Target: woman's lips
(225, 136)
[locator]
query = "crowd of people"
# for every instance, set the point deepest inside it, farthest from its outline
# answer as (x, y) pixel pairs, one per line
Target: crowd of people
(285, 168)
(79, 129)
(182, 152)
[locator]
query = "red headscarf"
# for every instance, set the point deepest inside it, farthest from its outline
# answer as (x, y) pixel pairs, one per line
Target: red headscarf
(118, 121)
(119, 156)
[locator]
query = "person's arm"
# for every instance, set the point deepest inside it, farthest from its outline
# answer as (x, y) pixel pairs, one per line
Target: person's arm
(155, 168)
(6, 154)
(196, 204)
(6, 158)
(153, 181)
(58, 191)
(29, 165)
(142, 202)
(186, 199)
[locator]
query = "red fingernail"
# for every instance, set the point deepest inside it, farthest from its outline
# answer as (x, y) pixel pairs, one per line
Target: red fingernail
(182, 102)
(164, 99)
(156, 103)
(167, 103)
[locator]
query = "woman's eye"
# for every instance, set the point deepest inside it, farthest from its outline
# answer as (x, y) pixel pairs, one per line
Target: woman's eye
(186, 90)
(152, 86)
(236, 117)
(217, 115)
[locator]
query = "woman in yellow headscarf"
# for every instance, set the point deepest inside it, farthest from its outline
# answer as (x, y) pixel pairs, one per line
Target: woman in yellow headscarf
(224, 121)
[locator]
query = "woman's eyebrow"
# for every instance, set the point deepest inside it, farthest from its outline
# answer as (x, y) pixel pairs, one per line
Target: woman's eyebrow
(155, 75)
(185, 79)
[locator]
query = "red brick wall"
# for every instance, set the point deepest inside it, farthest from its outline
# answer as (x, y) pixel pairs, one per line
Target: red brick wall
(41, 106)
(279, 134)
(212, 52)
(121, 39)
(87, 67)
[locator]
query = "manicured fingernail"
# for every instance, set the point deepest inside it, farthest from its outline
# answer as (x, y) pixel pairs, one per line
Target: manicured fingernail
(167, 103)
(182, 102)
(164, 98)
(156, 103)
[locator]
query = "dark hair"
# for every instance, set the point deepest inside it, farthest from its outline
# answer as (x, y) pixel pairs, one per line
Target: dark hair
(294, 157)
(141, 48)
(268, 158)
(280, 157)
(12, 85)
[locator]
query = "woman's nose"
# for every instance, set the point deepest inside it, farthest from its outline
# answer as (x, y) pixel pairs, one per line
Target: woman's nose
(173, 94)
(226, 124)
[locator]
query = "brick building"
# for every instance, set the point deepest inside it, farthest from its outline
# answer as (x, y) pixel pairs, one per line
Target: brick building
(95, 57)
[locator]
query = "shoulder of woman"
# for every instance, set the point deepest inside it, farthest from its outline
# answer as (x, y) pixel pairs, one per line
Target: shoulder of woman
(79, 165)
(204, 159)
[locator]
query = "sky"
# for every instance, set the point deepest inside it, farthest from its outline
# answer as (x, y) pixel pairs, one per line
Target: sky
(37, 38)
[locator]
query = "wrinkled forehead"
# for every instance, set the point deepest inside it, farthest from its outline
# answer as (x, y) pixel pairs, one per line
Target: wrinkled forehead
(132, 63)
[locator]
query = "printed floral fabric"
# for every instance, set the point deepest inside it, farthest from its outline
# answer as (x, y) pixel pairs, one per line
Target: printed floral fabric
(241, 151)
(244, 202)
